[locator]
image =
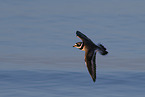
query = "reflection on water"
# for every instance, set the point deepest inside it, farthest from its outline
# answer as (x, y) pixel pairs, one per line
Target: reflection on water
(37, 57)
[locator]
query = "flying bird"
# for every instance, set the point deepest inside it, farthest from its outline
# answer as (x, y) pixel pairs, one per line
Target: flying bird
(90, 52)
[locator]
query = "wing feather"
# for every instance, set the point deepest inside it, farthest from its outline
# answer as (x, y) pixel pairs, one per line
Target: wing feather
(90, 60)
(82, 36)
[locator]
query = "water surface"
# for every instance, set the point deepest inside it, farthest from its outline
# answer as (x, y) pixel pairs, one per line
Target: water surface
(37, 57)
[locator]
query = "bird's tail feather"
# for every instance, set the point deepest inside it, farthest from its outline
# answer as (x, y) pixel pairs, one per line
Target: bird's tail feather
(102, 49)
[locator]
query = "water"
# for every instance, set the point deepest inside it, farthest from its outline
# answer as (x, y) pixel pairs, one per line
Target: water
(37, 57)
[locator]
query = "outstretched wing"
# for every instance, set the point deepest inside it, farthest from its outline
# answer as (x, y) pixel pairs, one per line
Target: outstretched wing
(90, 60)
(82, 36)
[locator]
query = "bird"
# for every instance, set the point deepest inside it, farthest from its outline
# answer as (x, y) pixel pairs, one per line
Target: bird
(90, 49)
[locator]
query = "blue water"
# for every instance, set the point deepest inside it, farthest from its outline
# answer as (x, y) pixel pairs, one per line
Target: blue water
(37, 57)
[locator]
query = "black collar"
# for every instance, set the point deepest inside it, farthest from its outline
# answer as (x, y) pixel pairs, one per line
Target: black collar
(82, 46)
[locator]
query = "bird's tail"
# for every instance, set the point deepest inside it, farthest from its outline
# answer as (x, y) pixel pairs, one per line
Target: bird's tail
(102, 49)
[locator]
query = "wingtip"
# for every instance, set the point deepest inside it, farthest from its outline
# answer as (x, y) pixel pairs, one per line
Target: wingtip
(94, 80)
(78, 32)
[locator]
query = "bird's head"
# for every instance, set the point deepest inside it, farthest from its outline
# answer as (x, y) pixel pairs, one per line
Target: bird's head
(78, 45)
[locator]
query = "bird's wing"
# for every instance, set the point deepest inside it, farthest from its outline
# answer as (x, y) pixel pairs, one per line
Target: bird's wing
(82, 36)
(90, 60)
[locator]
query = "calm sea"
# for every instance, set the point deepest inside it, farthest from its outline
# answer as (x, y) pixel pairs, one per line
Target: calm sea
(37, 58)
